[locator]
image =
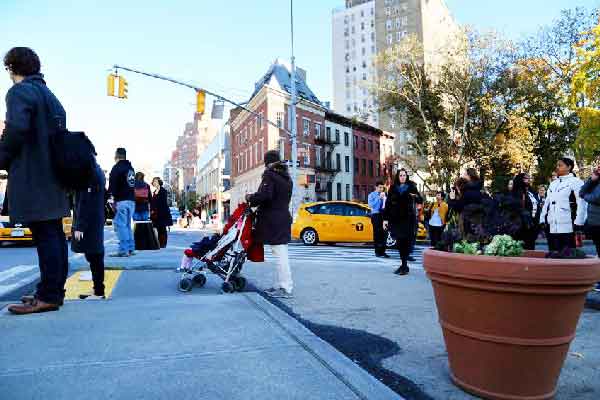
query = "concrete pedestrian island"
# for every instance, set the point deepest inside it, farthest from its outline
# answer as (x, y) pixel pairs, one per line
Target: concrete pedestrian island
(173, 346)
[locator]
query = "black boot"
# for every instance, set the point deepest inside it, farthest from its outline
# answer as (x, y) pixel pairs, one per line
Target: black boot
(403, 269)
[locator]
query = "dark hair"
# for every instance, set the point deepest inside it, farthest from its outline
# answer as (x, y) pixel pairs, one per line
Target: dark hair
(460, 184)
(519, 186)
(379, 183)
(271, 156)
(441, 192)
(22, 61)
(473, 175)
(160, 182)
(121, 153)
(139, 176)
(570, 163)
(397, 177)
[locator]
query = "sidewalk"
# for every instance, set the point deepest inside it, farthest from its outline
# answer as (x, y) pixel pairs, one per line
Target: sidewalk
(151, 342)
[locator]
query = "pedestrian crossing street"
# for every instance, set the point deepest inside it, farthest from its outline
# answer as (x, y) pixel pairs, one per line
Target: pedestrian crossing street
(298, 252)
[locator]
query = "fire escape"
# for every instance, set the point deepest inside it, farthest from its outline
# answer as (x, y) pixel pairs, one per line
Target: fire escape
(325, 170)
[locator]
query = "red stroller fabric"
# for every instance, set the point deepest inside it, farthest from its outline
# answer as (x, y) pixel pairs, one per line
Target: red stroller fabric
(255, 251)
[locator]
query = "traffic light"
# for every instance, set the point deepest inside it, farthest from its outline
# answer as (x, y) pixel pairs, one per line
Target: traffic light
(110, 82)
(200, 101)
(122, 87)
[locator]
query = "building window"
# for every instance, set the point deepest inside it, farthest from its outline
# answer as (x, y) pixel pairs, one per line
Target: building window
(328, 134)
(280, 120)
(337, 136)
(364, 51)
(317, 131)
(338, 162)
(362, 26)
(347, 192)
(405, 20)
(388, 11)
(356, 165)
(347, 163)
(398, 36)
(346, 139)
(390, 38)
(339, 191)
(328, 160)
(363, 142)
(307, 155)
(370, 167)
(388, 24)
(363, 164)
(364, 76)
(260, 121)
(318, 156)
(329, 190)
(355, 141)
(305, 126)
(370, 146)
(282, 148)
(362, 38)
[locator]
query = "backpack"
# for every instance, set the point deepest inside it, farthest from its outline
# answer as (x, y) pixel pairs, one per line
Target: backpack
(72, 154)
(141, 195)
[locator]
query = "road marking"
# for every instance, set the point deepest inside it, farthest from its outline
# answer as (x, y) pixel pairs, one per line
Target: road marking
(16, 270)
(75, 286)
(5, 289)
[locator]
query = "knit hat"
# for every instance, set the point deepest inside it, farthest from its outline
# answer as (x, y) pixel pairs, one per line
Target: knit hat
(570, 163)
(271, 156)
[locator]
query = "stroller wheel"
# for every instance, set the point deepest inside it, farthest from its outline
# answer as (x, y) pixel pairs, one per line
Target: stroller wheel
(227, 287)
(240, 283)
(185, 284)
(200, 280)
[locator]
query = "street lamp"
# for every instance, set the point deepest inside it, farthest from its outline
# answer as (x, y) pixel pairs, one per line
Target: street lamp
(293, 126)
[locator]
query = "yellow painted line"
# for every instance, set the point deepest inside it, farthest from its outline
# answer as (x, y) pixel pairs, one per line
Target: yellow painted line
(75, 287)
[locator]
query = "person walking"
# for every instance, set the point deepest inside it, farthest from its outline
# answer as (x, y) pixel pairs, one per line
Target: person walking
(399, 215)
(376, 203)
(143, 197)
(526, 202)
(437, 222)
(35, 198)
(160, 214)
(88, 231)
(273, 219)
(590, 192)
(557, 211)
(121, 186)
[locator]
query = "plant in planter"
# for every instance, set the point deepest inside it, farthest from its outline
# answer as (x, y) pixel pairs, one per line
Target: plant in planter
(507, 321)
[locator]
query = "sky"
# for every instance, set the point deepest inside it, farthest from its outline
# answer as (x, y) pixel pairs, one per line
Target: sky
(223, 46)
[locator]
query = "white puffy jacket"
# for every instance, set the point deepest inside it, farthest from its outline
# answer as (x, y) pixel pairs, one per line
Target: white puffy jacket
(558, 208)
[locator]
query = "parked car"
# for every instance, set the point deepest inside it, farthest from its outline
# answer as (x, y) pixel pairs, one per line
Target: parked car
(17, 233)
(337, 222)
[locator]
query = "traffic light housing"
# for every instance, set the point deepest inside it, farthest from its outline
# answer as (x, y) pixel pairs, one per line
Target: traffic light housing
(122, 87)
(200, 101)
(110, 85)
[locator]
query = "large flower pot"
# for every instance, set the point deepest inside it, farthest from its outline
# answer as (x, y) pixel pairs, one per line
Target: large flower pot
(508, 321)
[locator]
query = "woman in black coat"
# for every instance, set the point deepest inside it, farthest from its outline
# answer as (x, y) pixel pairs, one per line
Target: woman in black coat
(159, 211)
(88, 230)
(525, 203)
(399, 215)
(273, 219)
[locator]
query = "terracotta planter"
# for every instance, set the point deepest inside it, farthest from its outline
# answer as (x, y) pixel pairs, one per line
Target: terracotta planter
(508, 321)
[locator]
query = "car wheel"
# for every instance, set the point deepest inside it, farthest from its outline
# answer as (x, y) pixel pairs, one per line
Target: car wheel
(390, 241)
(309, 237)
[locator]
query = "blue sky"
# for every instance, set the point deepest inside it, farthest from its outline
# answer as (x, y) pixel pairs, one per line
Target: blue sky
(224, 46)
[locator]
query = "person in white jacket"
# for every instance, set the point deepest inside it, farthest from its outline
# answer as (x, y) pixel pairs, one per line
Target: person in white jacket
(556, 212)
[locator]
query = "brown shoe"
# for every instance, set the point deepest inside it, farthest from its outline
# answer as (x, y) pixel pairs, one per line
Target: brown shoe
(37, 306)
(30, 299)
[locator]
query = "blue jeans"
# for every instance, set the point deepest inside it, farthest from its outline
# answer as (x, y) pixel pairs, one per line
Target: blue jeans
(122, 225)
(141, 215)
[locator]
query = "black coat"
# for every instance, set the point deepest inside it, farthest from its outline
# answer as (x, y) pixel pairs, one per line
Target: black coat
(471, 195)
(159, 209)
(121, 181)
(273, 219)
(34, 193)
(400, 211)
(88, 216)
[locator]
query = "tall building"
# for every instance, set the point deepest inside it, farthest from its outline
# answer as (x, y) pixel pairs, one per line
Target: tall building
(365, 28)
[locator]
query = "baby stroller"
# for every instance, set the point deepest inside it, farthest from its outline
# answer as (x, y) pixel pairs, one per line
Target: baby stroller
(222, 255)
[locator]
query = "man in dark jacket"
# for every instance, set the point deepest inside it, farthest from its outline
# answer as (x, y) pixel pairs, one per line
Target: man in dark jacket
(121, 186)
(88, 231)
(35, 197)
(273, 226)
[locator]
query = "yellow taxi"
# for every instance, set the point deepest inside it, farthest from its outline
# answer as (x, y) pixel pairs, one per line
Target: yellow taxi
(19, 233)
(337, 222)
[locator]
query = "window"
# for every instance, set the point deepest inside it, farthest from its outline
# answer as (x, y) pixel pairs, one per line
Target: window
(347, 44)
(363, 164)
(370, 146)
(364, 76)
(328, 160)
(282, 148)
(339, 191)
(338, 162)
(398, 23)
(390, 38)
(307, 155)
(388, 24)
(362, 13)
(377, 169)
(280, 120)
(356, 165)
(362, 26)
(363, 142)
(250, 158)
(347, 192)
(370, 167)
(339, 209)
(347, 163)
(305, 126)
(346, 139)
(373, 36)
(317, 130)
(405, 20)
(327, 208)
(398, 36)
(337, 136)
(355, 141)
(318, 156)
(363, 51)
(388, 11)
(257, 152)
(328, 134)
(362, 38)
(355, 211)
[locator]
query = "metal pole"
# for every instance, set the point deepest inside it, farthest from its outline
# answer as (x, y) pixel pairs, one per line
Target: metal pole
(293, 121)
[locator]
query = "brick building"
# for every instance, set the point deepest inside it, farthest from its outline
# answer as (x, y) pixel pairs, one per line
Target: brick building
(252, 136)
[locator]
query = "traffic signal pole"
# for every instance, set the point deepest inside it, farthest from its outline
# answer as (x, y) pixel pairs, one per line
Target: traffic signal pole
(293, 120)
